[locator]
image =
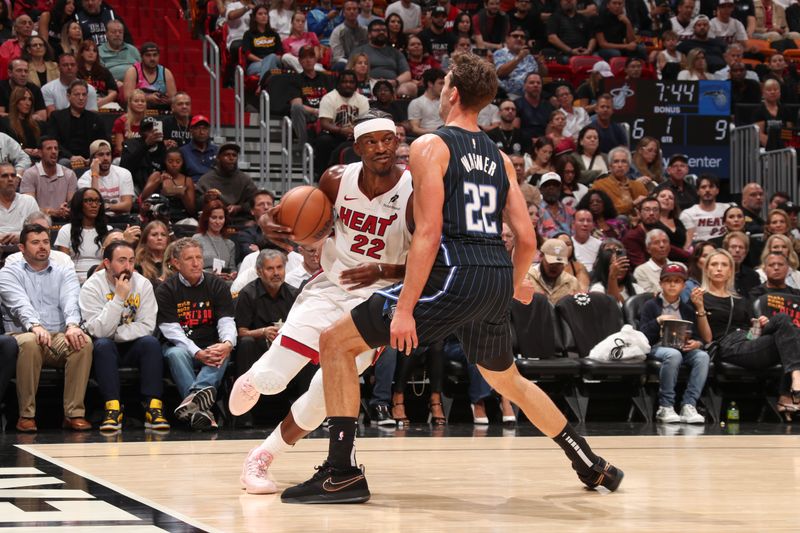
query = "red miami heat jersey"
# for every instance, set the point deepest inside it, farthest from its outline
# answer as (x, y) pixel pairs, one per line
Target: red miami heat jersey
(367, 231)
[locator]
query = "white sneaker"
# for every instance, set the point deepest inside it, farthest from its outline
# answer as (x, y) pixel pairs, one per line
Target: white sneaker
(254, 473)
(689, 415)
(667, 415)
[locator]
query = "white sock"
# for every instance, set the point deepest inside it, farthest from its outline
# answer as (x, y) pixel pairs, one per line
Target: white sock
(274, 443)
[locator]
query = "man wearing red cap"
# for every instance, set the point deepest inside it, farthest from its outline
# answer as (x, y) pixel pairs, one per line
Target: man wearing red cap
(200, 153)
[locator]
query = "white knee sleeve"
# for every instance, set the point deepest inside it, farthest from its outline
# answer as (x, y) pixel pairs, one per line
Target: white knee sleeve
(309, 409)
(276, 368)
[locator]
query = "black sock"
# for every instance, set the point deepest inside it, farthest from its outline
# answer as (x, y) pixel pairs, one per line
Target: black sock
(576, 448)
(342, 447)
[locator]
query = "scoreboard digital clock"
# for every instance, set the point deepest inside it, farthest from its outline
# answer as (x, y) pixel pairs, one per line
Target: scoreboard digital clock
(688, 117)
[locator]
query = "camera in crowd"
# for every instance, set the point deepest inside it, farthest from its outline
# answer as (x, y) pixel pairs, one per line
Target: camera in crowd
(155, 207)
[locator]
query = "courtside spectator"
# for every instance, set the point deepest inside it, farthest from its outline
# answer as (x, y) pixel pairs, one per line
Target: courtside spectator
(40, 305)
(549, 276)
(195, 316)
(119, 312)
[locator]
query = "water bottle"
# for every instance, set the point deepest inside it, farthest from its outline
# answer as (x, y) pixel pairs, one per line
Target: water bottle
(733, 413)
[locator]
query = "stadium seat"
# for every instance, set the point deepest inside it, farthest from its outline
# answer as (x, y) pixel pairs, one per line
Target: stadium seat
(617, 65)
(540, 350)
(595, 316)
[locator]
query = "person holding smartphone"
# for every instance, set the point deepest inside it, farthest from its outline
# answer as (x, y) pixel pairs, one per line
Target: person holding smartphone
(612, 273)
(514, 62)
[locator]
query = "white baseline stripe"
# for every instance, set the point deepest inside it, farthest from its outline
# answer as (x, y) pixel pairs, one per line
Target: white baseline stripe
(124, 492)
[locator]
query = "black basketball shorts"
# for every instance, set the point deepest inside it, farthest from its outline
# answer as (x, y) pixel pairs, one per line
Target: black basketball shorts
(472, 302)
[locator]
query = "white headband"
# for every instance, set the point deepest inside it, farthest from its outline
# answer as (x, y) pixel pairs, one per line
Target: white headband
(373, 125)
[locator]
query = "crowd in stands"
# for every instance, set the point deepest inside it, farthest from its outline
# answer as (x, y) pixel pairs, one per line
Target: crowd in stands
(131, 239)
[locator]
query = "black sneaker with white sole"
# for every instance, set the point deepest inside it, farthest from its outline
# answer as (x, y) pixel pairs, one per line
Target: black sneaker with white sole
(201, 400)
(203, 420)
(330, 485)
(602, 473)
(380, 415)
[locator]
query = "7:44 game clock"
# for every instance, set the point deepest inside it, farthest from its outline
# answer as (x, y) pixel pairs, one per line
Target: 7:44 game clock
(689, 117)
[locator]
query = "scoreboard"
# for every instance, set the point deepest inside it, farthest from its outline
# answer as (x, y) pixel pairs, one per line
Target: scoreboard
(688, 117)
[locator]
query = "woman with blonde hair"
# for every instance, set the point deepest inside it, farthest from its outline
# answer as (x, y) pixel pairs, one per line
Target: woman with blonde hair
(781, 244)
(730, 319)
(647, 165)
(127, 126)
(150, 253)
(696, 66)
(359, 63)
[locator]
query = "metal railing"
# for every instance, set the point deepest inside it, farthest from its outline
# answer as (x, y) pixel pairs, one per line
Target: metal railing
(263, 138)
(238, 111)
(308, 164)
(745, 150)
(286, 153)
(779, 171)
(211, 64)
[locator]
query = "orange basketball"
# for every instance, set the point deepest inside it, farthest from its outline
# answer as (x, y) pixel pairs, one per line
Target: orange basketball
(308, 212)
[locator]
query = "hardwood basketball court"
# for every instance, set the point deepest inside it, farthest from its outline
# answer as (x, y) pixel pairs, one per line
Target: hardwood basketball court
(463, 484)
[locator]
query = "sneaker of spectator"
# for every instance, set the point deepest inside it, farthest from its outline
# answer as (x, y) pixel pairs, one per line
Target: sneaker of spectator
(666, 415)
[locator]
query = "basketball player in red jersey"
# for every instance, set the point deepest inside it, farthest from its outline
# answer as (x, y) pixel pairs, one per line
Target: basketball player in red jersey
(367, 252)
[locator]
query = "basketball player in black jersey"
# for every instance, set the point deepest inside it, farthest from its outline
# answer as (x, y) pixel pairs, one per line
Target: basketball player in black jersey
(459, 279)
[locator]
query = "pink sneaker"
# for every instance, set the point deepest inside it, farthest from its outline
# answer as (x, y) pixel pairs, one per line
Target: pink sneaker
(243, 396)
(254, 473)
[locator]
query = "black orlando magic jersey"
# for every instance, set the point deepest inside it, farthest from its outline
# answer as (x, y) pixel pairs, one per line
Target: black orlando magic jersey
(475, 189)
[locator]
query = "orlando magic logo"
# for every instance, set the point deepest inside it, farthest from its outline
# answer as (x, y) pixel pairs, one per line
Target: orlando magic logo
(719, 98)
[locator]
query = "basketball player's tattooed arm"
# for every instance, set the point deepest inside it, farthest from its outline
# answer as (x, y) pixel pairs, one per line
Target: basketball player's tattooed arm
(429, 158)
(282, 235)
(516, 215)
